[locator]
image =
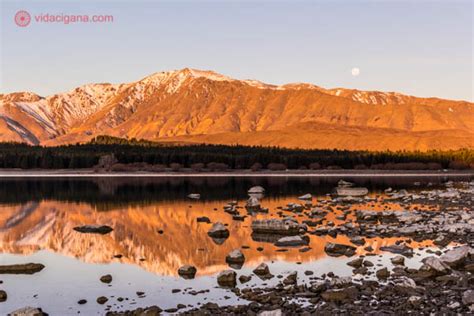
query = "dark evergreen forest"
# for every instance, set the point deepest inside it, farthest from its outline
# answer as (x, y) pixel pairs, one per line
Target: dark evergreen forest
(153, 156)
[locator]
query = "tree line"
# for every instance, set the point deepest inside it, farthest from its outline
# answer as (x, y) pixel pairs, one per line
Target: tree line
(119, 154)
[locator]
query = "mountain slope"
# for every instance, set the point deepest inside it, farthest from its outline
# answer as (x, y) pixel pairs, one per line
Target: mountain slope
(203, 106)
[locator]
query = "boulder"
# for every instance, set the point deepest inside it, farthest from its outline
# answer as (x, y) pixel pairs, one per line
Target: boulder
(340, 295)
(235, 257)
(102, 300)
(337, 250)
(382, 273)
(227, 278)
(275, 226)
(256, 190)
(245, 278)
(398, 249)
(27, 268)
(398, 260)
(106, 278)
(348, 191)
(435, 265)
(262, 269)
(468, 297)
(344, 184)
(291, 278)
(218, 230)
(456, 256)
(203, 219)
(356, 263)
(306, 196)
(292, 241)
(187, 271)
(94, 229)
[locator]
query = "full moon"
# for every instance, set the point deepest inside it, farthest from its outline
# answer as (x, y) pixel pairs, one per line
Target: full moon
(355, 71)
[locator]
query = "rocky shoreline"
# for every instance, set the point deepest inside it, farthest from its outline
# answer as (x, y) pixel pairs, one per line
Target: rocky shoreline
(444, 284)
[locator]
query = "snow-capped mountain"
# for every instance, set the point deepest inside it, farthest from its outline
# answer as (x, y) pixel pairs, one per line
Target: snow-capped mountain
(203, 106)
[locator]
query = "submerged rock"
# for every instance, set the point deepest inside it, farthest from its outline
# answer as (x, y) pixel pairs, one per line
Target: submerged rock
(94, 229)
(27, 268)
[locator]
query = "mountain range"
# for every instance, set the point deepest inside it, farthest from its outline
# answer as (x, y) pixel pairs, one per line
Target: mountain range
(195, 106)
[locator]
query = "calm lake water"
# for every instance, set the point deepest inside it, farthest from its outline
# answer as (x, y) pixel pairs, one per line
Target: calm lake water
(37, 217)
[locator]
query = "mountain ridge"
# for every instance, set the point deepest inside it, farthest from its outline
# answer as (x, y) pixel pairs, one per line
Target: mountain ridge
(198, 105)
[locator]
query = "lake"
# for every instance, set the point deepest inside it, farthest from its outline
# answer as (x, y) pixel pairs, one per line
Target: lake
(155, 231)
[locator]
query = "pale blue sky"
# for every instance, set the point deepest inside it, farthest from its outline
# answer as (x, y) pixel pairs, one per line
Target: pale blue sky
(422, 48)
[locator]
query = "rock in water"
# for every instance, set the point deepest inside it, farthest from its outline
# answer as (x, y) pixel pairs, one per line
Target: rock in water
(203, 219)
(3, 296)
(306, 196)
(351, 191)
(94, 229)
(106, 278)
(262, 269)
(456, 256)
(28, 311)
(187, 272)
(275, 226)
(435, 265)
(256, 190)
(235, 257)
(382, 273)
(218, 230)
(337, 250)
(227, 278)
(291, 278)
(399, 260)
(292, 241)
(399, 249)
(344, 184)
(194, 196)
(27, 268)
(102, 300)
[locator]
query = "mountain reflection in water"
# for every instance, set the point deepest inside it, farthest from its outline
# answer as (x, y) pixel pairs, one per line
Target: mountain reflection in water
(40, 215)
